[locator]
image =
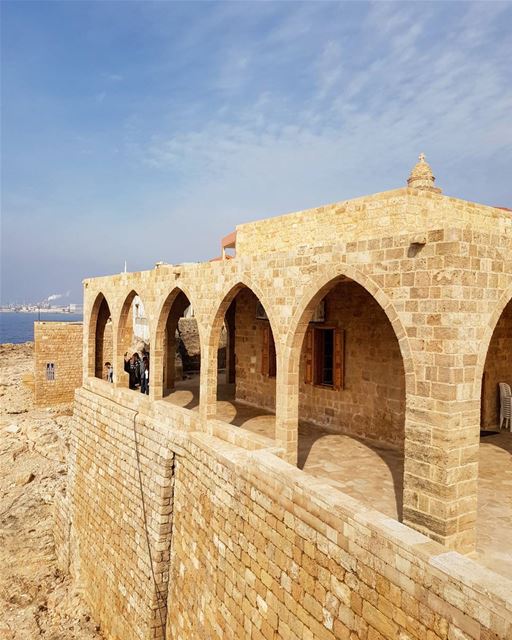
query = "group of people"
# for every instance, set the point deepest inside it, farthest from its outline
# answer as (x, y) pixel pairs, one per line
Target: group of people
(137, 368)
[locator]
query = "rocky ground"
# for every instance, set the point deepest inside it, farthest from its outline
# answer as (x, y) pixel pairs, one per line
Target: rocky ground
(36, 599)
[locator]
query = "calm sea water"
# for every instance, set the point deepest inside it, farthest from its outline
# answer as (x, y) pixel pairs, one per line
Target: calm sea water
(19, 327)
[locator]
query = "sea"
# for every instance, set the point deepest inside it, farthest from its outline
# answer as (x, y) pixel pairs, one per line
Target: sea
(19, 327)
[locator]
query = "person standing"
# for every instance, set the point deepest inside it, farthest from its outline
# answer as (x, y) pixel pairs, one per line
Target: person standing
(110, 372)
(144, 385)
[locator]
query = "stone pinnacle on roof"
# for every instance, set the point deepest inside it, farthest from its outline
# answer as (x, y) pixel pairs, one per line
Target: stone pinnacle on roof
(421, 176)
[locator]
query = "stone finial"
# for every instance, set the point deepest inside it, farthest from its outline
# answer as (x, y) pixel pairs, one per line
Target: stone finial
(421, 176)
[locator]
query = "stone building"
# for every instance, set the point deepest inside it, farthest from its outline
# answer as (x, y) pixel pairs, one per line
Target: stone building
(357, 338)
(57, 361)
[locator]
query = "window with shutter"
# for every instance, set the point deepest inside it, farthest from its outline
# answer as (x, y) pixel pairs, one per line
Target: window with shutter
(324, 348)
(272, 364)
(268, 352)
(339, 358)
(265, 330)
(308, 345)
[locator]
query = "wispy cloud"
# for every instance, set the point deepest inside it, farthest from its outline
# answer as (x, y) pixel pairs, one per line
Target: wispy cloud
(416, 93)
(211, 114)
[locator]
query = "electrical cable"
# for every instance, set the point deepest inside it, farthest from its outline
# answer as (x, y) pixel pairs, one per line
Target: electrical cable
(160, 596)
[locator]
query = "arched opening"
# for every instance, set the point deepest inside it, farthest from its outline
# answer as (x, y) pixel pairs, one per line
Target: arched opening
(178, 333)
(494, 515)
(246, 383)
(101, 351)
(351, 397)
(133, 339)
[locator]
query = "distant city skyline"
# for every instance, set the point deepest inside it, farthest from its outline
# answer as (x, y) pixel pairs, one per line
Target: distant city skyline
(147, 131)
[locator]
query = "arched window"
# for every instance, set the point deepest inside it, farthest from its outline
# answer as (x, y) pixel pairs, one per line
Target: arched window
(134, 344)
(100, 339)
(246, 378)
(177, 352)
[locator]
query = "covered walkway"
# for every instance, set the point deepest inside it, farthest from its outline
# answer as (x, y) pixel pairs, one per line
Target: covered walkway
(372, 473)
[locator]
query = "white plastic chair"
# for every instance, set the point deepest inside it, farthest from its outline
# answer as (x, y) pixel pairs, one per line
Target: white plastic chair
(505, 406)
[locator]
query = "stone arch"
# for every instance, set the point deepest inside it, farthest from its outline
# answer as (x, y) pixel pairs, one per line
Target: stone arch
(209, 377)
(491, 371)
(504, 300)
(100, 339)
(123, 333)
(227, 298)
(159, 368)
(318, 288)
(287, 405)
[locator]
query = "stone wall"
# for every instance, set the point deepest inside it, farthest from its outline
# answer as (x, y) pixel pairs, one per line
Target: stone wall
(243, 545)
(252, 384)
(120, 510)
(261, 551)
(59, 344)
(391, 212)
(371, 402)
(498, 368)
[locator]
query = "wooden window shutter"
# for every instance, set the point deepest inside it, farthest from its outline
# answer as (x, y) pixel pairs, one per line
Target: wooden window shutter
(272, 364)
(308, 344)
(265, 349)
(339, 351)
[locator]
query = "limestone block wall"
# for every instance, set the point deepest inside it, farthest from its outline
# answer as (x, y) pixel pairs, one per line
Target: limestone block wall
(404, 210)
(120, 509)
(59, 344)
(243, 545)
(371, 403)
(252, 385)
(261, 551)
(498, 368)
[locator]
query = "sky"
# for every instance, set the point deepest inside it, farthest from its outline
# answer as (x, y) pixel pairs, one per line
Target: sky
(147, 131)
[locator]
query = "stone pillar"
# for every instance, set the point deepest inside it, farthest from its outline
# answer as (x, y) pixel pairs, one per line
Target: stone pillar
(170, 353)
(156, 364)
(99, 340)
(230, 343)
(441, 455)
(208, 377)
(287, 402)
(89, 357)
(123, 334)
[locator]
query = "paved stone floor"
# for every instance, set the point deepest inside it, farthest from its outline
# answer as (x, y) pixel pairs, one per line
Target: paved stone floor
(373, 474)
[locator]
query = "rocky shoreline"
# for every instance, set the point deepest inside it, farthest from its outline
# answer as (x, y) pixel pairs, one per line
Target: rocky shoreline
(36, 599)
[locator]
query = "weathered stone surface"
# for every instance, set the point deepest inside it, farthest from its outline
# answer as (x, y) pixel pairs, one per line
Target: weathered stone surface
(418, 282)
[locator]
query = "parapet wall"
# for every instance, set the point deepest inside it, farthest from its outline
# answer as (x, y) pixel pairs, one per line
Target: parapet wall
(399, 211)
(244, 545)
(57, 361)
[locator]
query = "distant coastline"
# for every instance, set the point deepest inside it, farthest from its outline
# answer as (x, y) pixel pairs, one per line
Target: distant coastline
(66, 310)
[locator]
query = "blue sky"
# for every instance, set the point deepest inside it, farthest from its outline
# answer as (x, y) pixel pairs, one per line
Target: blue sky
(147, 131)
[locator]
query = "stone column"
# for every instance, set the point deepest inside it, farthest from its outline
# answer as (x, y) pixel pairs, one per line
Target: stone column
(208, 379)
(230, 343)
(441, 453)
(122, 334)
(287, 402)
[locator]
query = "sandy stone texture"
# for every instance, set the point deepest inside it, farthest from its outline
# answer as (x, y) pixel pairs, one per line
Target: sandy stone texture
(36, 600)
